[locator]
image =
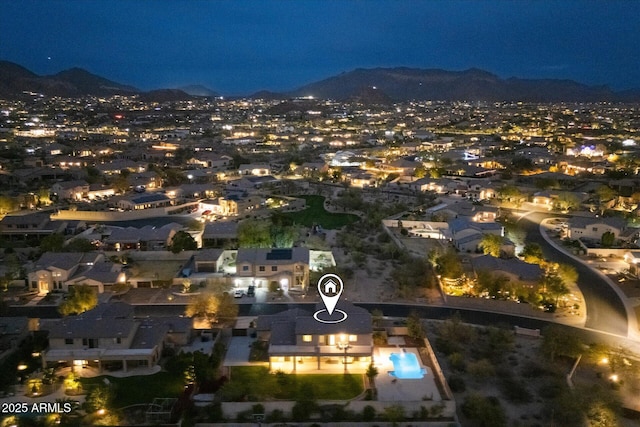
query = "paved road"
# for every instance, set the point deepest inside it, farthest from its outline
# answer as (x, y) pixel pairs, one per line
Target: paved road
(605, 310)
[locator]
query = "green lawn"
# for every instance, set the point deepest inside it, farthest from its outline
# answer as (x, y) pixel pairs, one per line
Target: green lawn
(256, 383)
(139, 389)
(316, 214)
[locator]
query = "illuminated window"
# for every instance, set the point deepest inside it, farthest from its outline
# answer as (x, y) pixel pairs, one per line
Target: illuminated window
(353, 338)
(306, 338)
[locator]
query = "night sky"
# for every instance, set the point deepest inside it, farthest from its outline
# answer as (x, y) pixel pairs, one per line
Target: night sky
(239, 47)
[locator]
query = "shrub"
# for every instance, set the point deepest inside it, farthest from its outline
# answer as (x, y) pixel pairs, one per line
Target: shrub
(486, 411)
(457, 362)
(368, 413)
(514, 391)
(275, 416)
(457, 384)
(481, 369)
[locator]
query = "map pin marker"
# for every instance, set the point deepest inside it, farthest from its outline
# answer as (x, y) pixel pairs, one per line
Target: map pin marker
(330, 287)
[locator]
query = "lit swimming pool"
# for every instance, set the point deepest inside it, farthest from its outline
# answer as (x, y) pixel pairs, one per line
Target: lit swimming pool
(406, 366)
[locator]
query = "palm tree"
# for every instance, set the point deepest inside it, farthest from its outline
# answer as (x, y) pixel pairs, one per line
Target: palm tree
(372, 373)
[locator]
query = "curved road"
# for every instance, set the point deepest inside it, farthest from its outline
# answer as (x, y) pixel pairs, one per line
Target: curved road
(605, 311)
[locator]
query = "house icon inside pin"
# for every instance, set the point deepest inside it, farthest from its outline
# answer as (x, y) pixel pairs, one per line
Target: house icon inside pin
(330, 287)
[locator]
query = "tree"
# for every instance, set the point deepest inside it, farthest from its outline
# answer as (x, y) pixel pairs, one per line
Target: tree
(227, 308)
(510, 193)
(493, 284)
(532, 253)
(556, 341)
(213, 308)
(99, 397)
(449, 265)
(52, 243)
(420, 172)
(394, 414)
(567, 273)
(567, 201)
(486, 411)
(608, 239)
(81, 298)
(491, 244)
(554, 286)
(415, 329)
(7, 204)
(254, 234)
(182, 241)
(79, 245)
(283, 236)
(605, 194)
(120, 183)
(372, 373)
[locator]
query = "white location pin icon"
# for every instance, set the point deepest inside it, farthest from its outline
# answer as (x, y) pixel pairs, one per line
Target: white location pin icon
(330, 287)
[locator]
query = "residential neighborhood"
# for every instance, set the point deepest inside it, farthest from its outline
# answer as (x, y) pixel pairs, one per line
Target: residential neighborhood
(161, 261)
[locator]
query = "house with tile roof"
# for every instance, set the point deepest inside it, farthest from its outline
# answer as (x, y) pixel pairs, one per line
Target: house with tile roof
(298, 342)
(56, 271)
(110, 337)
(288, 267)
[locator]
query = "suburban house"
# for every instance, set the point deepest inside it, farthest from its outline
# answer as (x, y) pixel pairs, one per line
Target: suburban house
(288, 267)
(209, 160)
(208, 260)
(252, 182)
(59, 270)
(254, 169)
(220, 206)
(144, 201)
(515, 270)
(218, 233)
(147, 238)
(33, 225)
(110, 337)
(298, 342)
(633, 259)
(466, 234)
(71, 190)
(13, 330)
(594, 228)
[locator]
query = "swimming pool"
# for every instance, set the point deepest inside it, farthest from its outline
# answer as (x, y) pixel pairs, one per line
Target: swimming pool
(406, 366)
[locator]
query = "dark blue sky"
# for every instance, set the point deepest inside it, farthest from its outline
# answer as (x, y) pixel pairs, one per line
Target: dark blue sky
(238, 47)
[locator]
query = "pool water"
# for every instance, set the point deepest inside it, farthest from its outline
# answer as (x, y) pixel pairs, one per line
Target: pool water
(406, 366)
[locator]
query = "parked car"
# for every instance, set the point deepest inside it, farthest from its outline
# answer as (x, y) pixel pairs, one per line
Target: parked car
(251, 292)
(239, 293)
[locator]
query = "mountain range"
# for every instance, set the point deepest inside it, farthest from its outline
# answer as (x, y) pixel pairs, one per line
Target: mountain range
(369, 86)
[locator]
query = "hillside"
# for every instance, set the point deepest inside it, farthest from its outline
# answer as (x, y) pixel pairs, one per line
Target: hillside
(403, 84)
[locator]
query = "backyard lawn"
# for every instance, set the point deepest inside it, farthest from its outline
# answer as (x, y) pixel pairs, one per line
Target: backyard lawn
(256, 383)
(139, 389)
(316, 214)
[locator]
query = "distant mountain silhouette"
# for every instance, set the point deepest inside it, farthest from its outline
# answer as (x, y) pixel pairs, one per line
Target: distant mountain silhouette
(90, 84)
(268, 95)
(198, 90)
(17, 82)
(403, 84)
(391, 85)
(371, 95)
(165, 95)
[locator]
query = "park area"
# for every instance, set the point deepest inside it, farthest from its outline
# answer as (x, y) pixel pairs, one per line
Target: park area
(316, 214)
